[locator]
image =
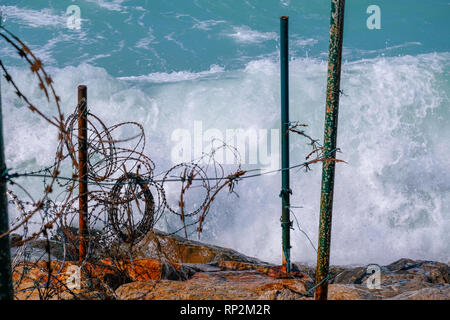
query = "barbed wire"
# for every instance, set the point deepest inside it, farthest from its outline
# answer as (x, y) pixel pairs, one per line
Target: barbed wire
(125, 198)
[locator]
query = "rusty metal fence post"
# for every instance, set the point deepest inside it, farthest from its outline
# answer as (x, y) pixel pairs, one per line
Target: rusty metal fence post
(82, 172)
(6, 289)
(330, 135)
(285, 188)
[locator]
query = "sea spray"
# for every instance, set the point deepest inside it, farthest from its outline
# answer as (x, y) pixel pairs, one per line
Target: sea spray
(392, 196)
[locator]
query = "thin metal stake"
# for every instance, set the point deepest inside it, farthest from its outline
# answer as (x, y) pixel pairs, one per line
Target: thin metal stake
(6, 289)
(82, 172)
(285, 189)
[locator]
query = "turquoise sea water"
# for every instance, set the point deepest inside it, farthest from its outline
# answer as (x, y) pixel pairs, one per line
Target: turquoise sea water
(167, 64)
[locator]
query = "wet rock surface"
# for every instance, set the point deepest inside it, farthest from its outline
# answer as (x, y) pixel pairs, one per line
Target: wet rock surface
(221, 285)
(162, 266)
(404, 279)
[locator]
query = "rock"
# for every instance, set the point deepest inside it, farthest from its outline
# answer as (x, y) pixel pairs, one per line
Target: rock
(427, 271)
(158, 245)
(28, 277)
(149, 269)
(349, 292)
(102, 276)
(282, 294)
(35, 250)
(402, 279)
(350, 276)
(162, 266)
(398, 279)
(223, 285)
(436, 293)
(270, 270)
(63, 246)
(202, 267)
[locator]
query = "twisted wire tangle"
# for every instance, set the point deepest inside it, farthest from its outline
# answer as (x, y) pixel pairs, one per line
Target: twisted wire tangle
(125, 199)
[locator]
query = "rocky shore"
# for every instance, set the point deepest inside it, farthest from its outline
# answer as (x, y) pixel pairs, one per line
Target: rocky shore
(165, 267)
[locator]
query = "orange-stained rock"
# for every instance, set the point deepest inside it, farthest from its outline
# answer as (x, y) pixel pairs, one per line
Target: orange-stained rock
(272, 271)
(160, 245)
(434, 293)
(415, 292)
(146, 269)
(240, 285)
(43, 280)
(28, 276)
(241, 266)
(349, 292)
(170, 267)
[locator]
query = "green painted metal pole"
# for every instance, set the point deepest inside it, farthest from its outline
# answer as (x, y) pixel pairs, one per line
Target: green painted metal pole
(285, 189)
(330, 134)
(6, 289)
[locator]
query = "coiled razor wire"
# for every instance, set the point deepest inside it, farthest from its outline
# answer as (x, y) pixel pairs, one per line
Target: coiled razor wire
(125, 199)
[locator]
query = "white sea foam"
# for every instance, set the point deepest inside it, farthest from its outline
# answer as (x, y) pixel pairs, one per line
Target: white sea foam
(34, 18)
(382, 51)
(111, 5)
(304, 42)
(171, 37)
(391, 197)
(206, 25)
(176, 76)
(244, 34)
(144, 43)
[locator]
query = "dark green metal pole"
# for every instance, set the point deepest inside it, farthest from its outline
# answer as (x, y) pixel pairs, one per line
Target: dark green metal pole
(285, 189)
(330, 134)
(6, 289)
